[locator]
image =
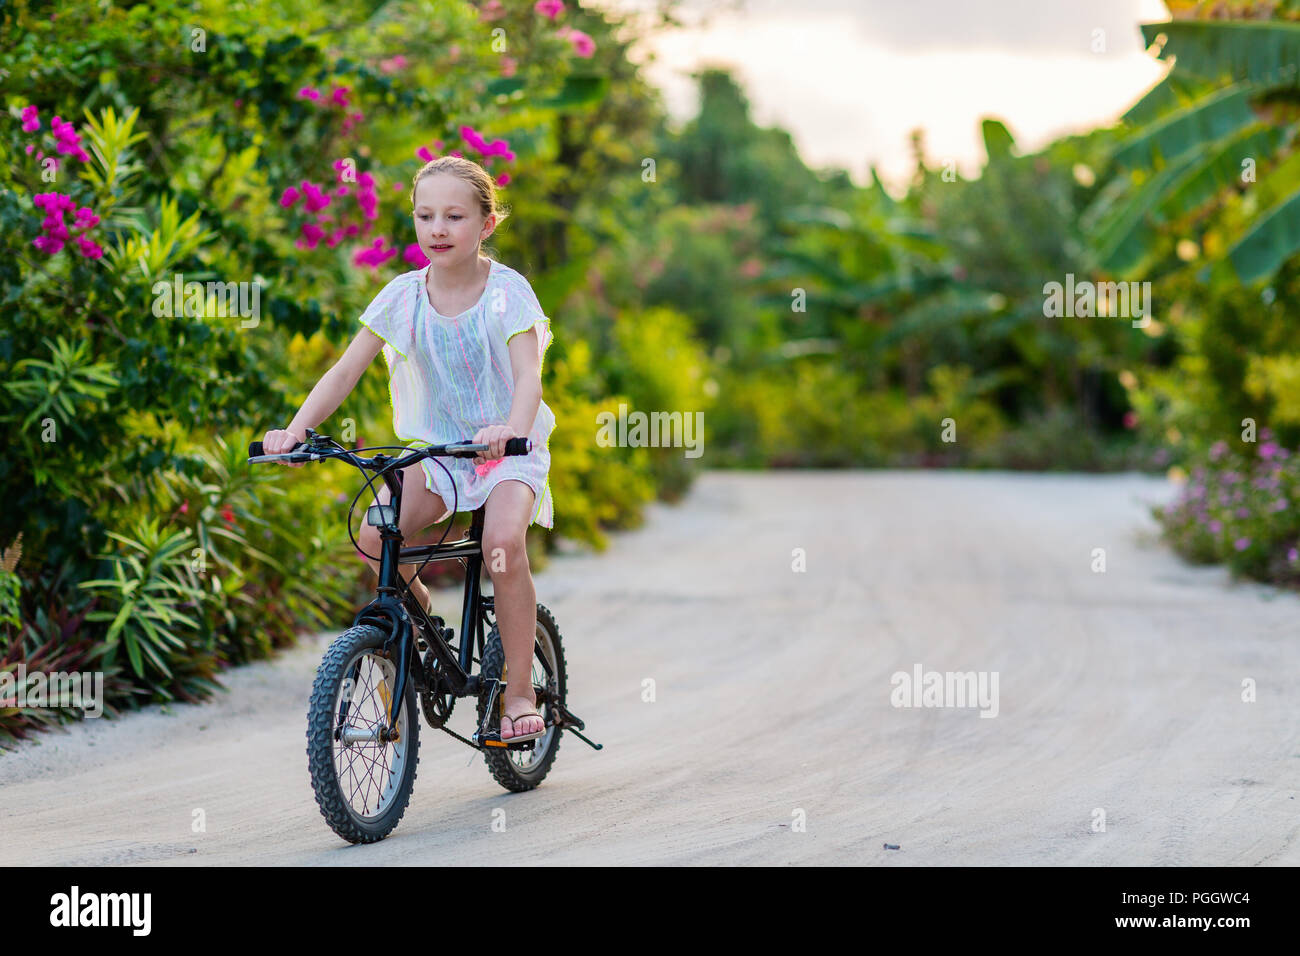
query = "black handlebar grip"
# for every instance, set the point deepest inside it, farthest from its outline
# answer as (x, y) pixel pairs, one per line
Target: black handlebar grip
(255, 449)
(518, 446)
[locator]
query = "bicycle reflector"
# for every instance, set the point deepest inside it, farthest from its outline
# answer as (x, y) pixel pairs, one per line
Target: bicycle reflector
(380, 515)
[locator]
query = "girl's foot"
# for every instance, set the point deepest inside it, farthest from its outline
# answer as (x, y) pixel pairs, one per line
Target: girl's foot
(522, 722)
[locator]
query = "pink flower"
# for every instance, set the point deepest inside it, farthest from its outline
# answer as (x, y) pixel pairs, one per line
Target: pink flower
(31, 119)
(583, 45)
(1241, 544)
(185, 507)
(89, 248)
(340, 96)
(289, 197)
(308, 93)
(312, 234)
(503, 179)
(508, 66)
(392, 64)
(86, 219)
(498, 147)
(424, 154)
(468, 134)
(492, 10)
(415, 256)
(374, 255)
(1130, 419)
(549, 8)
(438, 144)
(316, 198)
(47, 244)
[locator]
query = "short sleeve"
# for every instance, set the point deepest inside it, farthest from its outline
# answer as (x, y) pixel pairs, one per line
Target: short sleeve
(390, 315)
(518, 310)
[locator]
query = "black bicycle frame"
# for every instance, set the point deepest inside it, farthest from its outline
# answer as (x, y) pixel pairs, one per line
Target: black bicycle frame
(389, 612)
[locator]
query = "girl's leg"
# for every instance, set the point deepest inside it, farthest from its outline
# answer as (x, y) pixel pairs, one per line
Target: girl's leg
(505, 521)
(420, 508)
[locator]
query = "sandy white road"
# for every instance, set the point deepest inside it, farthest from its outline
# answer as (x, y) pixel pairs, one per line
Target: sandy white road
(1119, 691)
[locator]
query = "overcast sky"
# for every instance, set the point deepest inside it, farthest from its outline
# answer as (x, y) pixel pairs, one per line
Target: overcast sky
(850, 78)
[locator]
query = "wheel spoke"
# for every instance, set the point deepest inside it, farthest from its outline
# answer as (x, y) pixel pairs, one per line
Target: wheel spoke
(368, 771)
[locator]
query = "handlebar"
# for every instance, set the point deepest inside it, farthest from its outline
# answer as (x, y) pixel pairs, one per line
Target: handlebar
(319, 448)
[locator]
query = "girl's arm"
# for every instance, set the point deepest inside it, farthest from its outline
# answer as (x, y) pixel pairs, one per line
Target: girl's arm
(334, 386)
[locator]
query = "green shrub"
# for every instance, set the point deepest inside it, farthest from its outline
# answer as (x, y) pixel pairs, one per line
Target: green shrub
(1239, 508)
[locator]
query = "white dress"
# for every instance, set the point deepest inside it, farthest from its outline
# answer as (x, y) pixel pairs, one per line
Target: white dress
(451, 376)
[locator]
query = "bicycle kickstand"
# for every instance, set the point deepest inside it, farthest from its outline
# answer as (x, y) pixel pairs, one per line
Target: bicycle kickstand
(570, 721)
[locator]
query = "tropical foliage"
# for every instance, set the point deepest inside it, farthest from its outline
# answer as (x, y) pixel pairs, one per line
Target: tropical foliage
(198, 200)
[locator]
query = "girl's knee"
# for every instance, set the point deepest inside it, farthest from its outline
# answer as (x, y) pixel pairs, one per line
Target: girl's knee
(369, 542)
(502, 553)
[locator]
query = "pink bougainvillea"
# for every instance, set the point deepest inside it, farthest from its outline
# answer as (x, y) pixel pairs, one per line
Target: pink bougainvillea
(549, 8)
(68, 140)
(321, 226)
(415, 256)
(338, 98)
(374, 255)
(489, 152)
(583, 45)
(492, 10)
(55, 232)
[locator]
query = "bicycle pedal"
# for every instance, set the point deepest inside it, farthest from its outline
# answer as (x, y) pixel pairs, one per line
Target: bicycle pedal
(496, 743)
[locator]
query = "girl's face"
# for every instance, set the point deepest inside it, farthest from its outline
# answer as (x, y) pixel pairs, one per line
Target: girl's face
(448, 223)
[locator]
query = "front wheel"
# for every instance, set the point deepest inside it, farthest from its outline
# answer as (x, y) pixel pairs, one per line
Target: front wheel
(520, 770)
(362, 770)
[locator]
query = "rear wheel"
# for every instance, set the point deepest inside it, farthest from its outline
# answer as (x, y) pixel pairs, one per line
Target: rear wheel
(520, 770)
(361, 772)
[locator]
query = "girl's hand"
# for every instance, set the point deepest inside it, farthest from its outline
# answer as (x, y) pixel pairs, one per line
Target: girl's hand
(278, 441)
(496, 436)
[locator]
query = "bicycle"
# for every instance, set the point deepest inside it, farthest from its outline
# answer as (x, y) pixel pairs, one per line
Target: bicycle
(362, 732)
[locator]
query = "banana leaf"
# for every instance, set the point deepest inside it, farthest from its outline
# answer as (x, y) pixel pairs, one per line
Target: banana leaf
(1262, 52)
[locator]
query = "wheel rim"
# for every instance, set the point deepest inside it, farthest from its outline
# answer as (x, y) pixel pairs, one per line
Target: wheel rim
(369, 772)
(527, 760)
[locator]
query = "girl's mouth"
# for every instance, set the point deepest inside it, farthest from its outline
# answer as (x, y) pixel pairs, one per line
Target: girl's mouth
(440, 248)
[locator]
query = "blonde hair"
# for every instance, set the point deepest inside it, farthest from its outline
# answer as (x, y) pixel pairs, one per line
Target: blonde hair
(471, 172)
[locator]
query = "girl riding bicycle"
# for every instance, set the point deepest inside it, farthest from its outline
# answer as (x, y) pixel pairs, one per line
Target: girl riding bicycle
(464, 339)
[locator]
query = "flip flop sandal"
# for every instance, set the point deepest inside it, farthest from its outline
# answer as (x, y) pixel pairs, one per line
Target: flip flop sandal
(521, 737)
